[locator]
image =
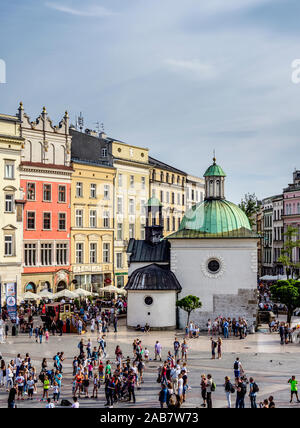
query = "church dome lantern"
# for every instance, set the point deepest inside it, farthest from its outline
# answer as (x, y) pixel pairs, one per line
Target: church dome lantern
(214, 182)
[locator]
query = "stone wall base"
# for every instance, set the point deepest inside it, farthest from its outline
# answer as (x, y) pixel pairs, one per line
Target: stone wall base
(170, 328)
(241, 305)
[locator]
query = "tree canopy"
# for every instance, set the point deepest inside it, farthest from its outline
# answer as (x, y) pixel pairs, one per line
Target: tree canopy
(250, 207)
(287, 293)
(189, 304)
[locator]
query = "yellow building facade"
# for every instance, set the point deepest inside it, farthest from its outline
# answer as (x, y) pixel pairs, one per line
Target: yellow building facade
(92, 225)
(131, 194)
(11, 202)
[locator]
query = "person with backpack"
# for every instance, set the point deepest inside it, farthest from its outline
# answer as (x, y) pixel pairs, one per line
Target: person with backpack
(241, 390)
(229, 389)
(210, 388)
(253, 391)
(237, 367)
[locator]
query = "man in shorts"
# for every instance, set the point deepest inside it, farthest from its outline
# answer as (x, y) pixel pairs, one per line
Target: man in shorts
(294, 388)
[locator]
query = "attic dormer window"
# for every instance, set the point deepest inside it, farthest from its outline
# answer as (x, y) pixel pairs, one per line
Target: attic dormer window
(104, 152)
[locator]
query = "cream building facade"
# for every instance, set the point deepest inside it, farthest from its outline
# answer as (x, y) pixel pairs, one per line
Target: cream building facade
(195, 191)
(168, 185)
(131, 195)
(11, 203)
(92, 225)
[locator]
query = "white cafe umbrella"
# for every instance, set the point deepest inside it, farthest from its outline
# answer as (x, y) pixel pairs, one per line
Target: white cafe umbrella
(83, 293)
(30, 296)
(111, 289)
(46, 294)
(121, 291)
(65, 293)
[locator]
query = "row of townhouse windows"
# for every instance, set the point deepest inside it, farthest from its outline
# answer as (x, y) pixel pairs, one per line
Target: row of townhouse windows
(92, 190)
(169, 197)
(168, 178)
(132, 181)
(131, 206)
(268, 220)
(93, 253)
(171, 224)
(47, 193)
(46, 254)
(93, 223)
(292, 209)
(31, 223)
(132, 229)
(196, 196)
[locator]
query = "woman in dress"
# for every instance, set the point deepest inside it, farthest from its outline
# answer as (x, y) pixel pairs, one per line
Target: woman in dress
(219, 348)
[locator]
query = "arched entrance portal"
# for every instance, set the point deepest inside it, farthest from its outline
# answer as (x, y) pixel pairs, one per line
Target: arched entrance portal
(61, 286)
(31, 287)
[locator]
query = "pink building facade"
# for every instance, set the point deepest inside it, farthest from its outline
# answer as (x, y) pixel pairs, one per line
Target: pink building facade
(291, 198)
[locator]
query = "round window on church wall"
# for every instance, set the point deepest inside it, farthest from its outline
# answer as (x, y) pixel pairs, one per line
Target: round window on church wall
(213, 266)
(148, 300)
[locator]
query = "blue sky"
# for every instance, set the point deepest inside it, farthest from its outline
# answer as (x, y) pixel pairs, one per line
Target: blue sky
(179, 77)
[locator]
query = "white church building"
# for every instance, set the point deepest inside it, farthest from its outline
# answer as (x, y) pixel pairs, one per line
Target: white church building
(213, 256)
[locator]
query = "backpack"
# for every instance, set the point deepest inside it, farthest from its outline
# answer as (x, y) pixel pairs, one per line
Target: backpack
(213, 386)
(231, 388)
(236, 365)
(255, 388)
(65, 403)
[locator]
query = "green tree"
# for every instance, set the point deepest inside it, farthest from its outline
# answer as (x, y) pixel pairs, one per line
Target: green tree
(189, 304)
(250, 206)
(286, 257)
(287, 293)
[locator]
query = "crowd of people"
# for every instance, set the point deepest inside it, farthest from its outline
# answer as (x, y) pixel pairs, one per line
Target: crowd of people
(227, 327)
(118, 378)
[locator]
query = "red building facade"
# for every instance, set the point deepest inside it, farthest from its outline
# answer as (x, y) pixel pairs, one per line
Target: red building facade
(46, 183)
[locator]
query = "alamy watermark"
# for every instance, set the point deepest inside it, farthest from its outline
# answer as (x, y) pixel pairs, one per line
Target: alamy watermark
(296, 73)
(2, 71)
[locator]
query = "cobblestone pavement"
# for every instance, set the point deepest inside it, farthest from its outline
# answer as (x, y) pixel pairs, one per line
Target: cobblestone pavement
(261, 354)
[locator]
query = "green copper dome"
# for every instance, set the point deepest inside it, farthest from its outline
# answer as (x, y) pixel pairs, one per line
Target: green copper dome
(214, 219)
(214, 171)
(153, 202)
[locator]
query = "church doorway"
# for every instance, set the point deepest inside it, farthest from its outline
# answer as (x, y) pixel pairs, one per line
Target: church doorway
(61, 286)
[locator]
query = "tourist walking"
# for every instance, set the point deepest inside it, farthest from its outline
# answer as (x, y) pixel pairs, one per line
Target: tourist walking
(294, 388)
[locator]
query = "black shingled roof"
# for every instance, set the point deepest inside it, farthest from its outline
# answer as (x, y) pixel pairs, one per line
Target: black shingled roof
(159, 164)
(153, 277)
(143, 251)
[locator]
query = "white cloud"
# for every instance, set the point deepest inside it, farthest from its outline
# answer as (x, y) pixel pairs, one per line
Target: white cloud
(220, 6)
(194, 66)
(93, 11)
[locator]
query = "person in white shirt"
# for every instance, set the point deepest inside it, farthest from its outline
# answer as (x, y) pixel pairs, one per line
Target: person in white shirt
(49, 404)
(75, 405)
